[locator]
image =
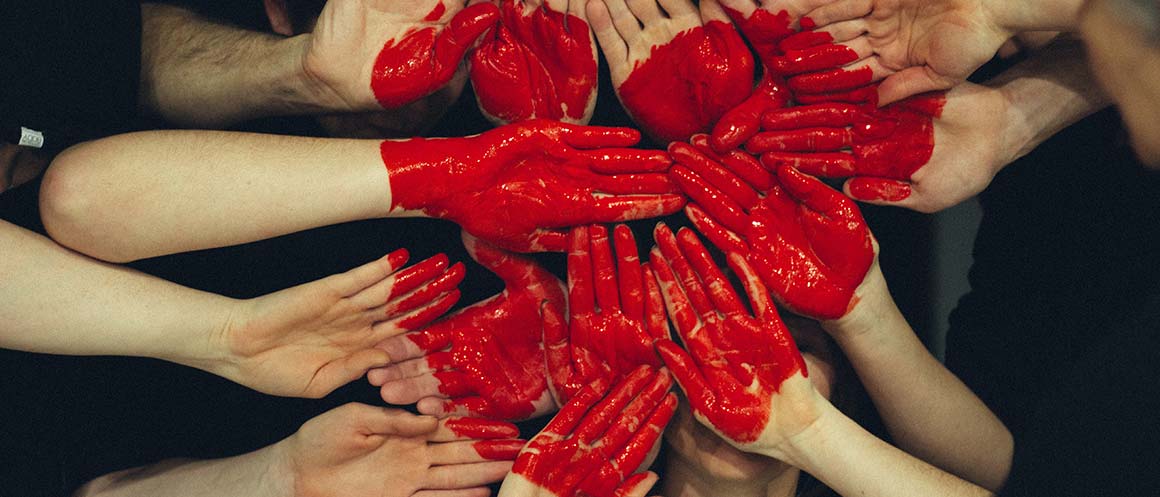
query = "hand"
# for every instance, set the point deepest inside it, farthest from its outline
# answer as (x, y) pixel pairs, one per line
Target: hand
(616, 314)
(809, 243)
(928, 46)
(597, 442)
(920, 153)
(308, 340)
(742, 374)
(518, 185)
(393, 53)
(678, 74)
(539, 62)
(380, 452)
(485, 360)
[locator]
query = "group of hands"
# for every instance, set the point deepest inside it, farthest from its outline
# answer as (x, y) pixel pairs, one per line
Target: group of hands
(833, 100)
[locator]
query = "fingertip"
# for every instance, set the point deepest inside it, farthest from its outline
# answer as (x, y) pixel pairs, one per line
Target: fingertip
(877, 191)
(398, 259)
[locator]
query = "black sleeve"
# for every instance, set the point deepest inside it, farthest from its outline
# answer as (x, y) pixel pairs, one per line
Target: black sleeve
(70, 69)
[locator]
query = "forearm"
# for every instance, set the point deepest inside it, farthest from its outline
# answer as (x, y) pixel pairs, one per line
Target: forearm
(853, 462)
(1046, 93)
(249, 475)
(55, 301)
(1039, 15)
(927, 410)
(197, 73)
(146, 194)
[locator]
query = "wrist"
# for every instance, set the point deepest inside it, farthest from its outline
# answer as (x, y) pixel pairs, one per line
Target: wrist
(871, 306)
(1041, 15)
(210, 349)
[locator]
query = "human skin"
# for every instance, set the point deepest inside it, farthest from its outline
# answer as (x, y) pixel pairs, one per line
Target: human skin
(364, 450)
(129, 197)
(304, 341)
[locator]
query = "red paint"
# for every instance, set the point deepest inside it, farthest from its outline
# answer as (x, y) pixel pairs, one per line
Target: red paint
(807, 24)
(808, 242)
(687, 84)
(764, 30)
(736, 362)
(445, 282)
(425, 58)
(481, 428)
(743, 121)
(498, 450)
(613, 321)
(836, 80)
(814, 59)
(492, 362)
(397, 258)
(539, 64)
(596, 442)
(421, 293)
(880, 190)
(519, 186)
(843, 140)
(436, 13)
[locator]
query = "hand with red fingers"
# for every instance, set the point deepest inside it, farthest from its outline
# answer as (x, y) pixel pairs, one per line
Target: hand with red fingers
(539, 62)
(519, 186)
(370, 54)
(616, 314)
(598, 441)
(484, 360)
(676, 67)
(808, 242)
(308, 340)
(741, 372)
(375, 451)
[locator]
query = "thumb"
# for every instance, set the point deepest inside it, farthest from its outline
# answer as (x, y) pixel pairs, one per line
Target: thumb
(910, 82)
(462, 32)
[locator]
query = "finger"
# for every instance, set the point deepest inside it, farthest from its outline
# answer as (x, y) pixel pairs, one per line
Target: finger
(627, 160)
(436, 361)
(630, 440)
(598, 419)
(681, 310)
(910, 82)
(387, 421)
(557, 352)
(570, 416)
(413, 277)
(842, 10)
(511, 268)
(741, 122)
(581, 289)
(465, 475)
(685, 9)
(823, 164)
(464, 428)
(833, 115)
(630, 184)
(759, 296)
(667, 244)
(365, 276)
(465, 452)
(646, 10)
(801, 140)
(822, 57)
(879, 191)
(547, 240)
(417, 318)
(865, 95)
(611, 43)
(718, 235)
(604, 271)
(690, 378)
(406, 391)
(628, 273)
(834, 80)
(589, 137)
(631, 457)
(720, 205)
(814, 194)
(344, 370)
(446, 282)
(655, 319)
(620, 208)
(714, 173)
(844, 31)
(740, 163)
(634, 417)
(463, 492)
(710, 275)
(460, 406)
(460, 35)
(624, 21)
(710, 10)
(637, 485)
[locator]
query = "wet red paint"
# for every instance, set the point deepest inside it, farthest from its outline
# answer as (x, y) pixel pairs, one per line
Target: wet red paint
(735, 362)
(541, 64)
(520, 185)
(424, 59)
(436, 13)
(811, 60)
(498, 450)
(597, 441)
(481, 428)
(844, 140)
(881, 190)
(741, 122)
(686, 85)
(764, 30)
(488, 357)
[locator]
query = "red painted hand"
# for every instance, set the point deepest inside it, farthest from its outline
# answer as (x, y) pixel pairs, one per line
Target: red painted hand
(517, 186)
(539, 62)
(616, 314)
(881, 148)
(676, 74)
(596, 443)
(808, 242)
(399, 51)
(742, 374)
(484, 360)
